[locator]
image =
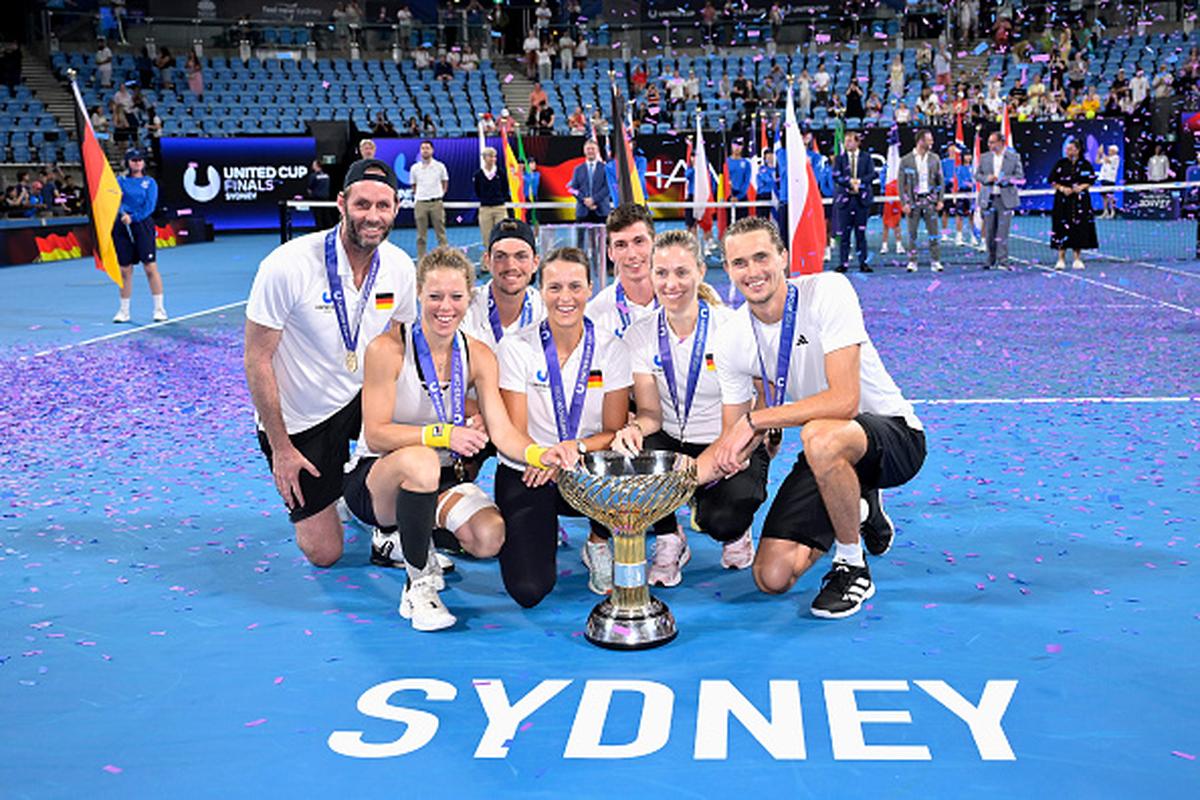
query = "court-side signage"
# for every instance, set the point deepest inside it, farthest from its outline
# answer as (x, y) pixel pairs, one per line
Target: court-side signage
(779, 729)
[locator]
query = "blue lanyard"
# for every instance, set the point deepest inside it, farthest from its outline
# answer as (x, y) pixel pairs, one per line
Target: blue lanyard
(494, 314)
(623, 308)
(338, 299)
(433, 387)
(694, 364)
(568, 421)
(776, 390)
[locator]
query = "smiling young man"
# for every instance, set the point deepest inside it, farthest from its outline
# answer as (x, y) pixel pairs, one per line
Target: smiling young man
(860, 435)
(508, 303)
(315, 304)
(630, 246)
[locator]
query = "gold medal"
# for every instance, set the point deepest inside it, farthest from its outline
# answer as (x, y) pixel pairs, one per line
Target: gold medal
(460, 470)
(352, 361)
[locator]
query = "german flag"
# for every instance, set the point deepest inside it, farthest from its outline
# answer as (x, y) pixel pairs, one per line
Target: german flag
(103, 192)
(709, 363)
(514, 170)
(629, 185)
(595, 379)
(384, 301)
(54, 247)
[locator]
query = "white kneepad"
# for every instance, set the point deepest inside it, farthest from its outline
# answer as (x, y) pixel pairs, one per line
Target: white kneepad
(471, 500)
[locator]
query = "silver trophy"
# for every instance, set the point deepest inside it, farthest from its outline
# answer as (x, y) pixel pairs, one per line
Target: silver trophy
(626, 495)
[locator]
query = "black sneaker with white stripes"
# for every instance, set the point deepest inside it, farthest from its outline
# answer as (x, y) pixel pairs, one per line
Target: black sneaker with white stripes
(877, 530)
(843, 590)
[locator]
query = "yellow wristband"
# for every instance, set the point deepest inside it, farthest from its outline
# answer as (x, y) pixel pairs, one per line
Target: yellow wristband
(533, 456)
(436, 435)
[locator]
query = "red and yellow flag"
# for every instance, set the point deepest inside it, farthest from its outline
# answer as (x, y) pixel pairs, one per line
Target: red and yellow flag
(103, 191)
(514, 169)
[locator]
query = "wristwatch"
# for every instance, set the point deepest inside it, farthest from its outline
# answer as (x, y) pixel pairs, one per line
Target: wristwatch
(581, 445)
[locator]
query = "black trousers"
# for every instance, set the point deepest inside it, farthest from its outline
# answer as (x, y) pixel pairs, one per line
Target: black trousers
(854, 223)
(724, 509)
(529, 557)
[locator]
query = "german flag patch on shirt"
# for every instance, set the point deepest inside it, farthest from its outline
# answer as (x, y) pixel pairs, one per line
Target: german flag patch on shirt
(709, 364)
(595, 379)
(384, 301)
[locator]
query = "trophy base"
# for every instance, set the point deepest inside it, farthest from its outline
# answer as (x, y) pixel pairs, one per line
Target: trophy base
(612, 628)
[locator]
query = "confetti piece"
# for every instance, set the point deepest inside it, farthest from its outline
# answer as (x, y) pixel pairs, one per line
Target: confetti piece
(254, 723)
(1054, 648)
(279, 680)
(114, 770)
(1181, 754)
(980, 49)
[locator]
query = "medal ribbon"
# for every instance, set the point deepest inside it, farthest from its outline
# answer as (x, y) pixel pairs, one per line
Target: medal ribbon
(776, 390)
(694, 364)
(568, 421)
(338, 298)
(494, 314)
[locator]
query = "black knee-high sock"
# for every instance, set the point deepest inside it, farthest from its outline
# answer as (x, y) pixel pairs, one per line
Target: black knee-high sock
(415, 516)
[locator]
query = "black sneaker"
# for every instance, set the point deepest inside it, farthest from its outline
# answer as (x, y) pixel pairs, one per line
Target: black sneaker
(843, 590)
(877, 530)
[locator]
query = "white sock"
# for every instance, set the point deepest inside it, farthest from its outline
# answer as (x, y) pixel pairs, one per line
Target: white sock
(125, 304)
(158, 302)
(851, 554)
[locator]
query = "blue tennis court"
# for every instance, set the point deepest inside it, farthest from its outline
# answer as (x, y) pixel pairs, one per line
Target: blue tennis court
(1036, 630)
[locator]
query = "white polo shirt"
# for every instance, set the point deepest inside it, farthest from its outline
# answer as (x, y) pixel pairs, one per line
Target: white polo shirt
(291, 294)
(523, 369)
(828, 318)
(478, 324)
(704, 419)
(602, 310)
(427, 179)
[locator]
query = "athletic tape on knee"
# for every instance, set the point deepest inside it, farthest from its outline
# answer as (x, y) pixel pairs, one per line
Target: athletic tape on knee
(471, 500)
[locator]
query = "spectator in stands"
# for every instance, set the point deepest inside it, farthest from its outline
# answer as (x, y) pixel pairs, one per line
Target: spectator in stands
(545, 62)
(941, 68)
(366, 148)
(542, 17)
(453, 57)
(123, 98)
(49, 198)
(924, 61)
(653, 104)
(491, 190)
(1120, 83)
(530, 47)
(820, 85)
(122, 129)
(929, 108)
(443, 70)
(676, 90)
(804, 94)
(599, 123)
(72, 194)
(195, 73)
(538, 95)
(1077, 74)
(164, 62)
(381, 125)
(724, 87)
(1072, 226)
(708, 18)
(104, 64)
(874, 106)
(15, 205)
(577, 122)
(854, 100)
(638, 79)
(99, 120)
(837, 106)
(428, 127)
(1163, 81)
(896, 77)
(566, 53)
(692, 86)
(546, 119)
(994, 102)
(470, 60)
(422, 58)
(144, 67)
(404, 21)
(154, 127)
(968, 20)
(413, 126)
(1109, 164)
(1091, 103)
(903, 114)
(1139, 87)
(1158, 168)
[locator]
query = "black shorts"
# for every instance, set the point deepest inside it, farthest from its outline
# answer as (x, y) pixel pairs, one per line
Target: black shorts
(327, 446)
(135, 242)
(358, 497)
(894, 455)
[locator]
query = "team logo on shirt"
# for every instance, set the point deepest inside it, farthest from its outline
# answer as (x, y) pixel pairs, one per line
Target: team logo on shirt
(595, 379)
(709, 363)
(801, 339)
(658, 362)
(385, 301)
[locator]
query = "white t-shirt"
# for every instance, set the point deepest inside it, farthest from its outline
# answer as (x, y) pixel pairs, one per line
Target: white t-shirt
(704, 419)
(1108, 168)
(922, 162)
(427, 179)
(523, 369)
(291, 294)
(478, 324)
(602, 310)
(828, 318)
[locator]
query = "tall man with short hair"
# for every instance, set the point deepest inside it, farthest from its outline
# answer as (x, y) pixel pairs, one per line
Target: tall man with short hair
(630, 246)
(921, 193)
(315, 304)
(804, 338)
(998, 173)
(508, 303)
(853, 194)
(430, 183)
(589, 186)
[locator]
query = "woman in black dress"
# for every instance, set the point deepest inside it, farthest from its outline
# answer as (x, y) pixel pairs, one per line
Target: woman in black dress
(1072, 224)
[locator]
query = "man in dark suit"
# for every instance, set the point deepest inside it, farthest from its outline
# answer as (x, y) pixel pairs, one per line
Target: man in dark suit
(589, 185)
(853, 173)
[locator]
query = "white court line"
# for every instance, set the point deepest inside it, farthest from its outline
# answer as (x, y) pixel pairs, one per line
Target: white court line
(1117, 259)
(1020, 401)
(1068, 273)
(131, 331)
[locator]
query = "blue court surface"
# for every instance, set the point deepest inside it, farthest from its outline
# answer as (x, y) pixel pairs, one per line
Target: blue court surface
(1036, 631)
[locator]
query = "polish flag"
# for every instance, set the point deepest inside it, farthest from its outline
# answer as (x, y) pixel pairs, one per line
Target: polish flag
(891, 180)
(806, 217)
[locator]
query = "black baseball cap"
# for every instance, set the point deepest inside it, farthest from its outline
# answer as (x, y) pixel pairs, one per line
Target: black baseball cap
(370, 169)
(510, 228)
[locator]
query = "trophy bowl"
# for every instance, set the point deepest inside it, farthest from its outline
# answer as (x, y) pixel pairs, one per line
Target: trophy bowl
(626, 495)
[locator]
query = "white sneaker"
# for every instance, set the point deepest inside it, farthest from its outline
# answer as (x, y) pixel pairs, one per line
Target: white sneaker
(597, 557)
(421, 604)
(899, 248)
(739, 553)
(981, 246)
(121, 316)
(1060, 264)
(937, 266)
(911, 267)
(1077, 264)
(444, 562)
(160, 315)
(386, 552)
(671, 552)
(958, 240)
(884, 249)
